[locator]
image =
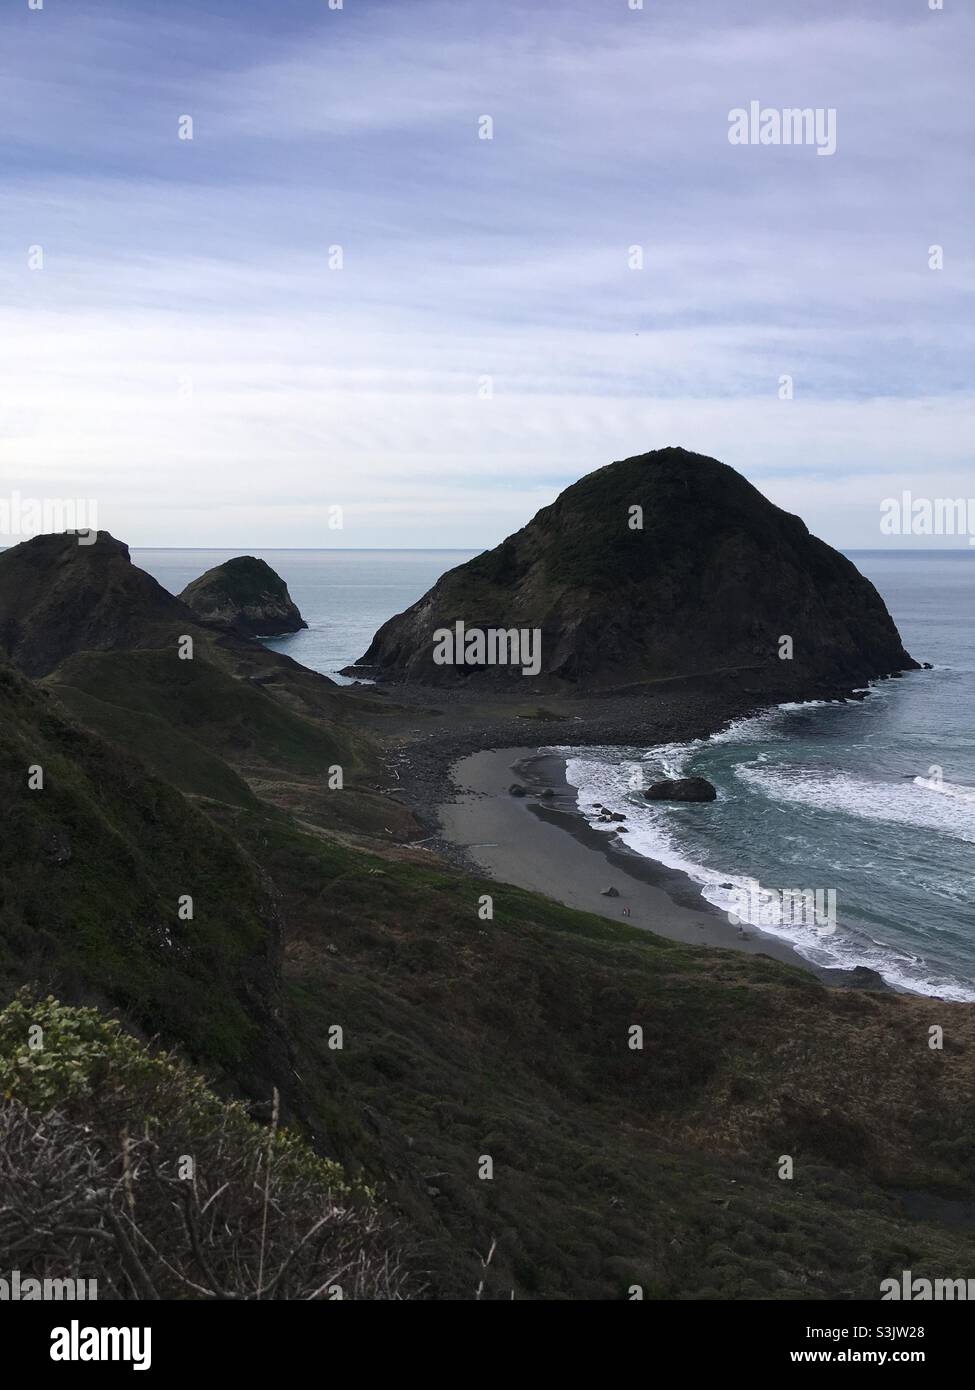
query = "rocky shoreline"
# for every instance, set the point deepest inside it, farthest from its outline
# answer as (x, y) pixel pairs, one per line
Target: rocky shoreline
(444, 750)
(427, 730)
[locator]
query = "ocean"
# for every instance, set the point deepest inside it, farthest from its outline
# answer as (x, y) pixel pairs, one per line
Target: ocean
(874, 801)
(866, 805)
(343, 595)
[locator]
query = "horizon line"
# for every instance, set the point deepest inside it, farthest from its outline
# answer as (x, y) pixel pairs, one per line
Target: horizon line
(451, 549)
(455, 549)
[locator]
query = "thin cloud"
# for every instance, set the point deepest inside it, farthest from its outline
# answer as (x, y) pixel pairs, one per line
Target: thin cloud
(187, 353)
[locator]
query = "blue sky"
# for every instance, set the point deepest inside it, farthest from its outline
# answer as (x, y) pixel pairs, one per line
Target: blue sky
(187, 358)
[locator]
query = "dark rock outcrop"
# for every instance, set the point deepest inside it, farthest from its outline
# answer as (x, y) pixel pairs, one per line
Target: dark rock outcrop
(682, 789)
(666, 566)
(111, 642)
(860, 977)
(59, 596)
(244, 595)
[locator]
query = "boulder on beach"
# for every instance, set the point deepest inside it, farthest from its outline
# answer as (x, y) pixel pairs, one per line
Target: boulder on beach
(246, 596)
(610, 893)
(682, 789)
(516, 789)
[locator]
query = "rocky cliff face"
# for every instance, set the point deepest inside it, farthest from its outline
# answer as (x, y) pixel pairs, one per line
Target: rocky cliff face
(102, 633)
(59, 596)
(666, 565)
(244, 595)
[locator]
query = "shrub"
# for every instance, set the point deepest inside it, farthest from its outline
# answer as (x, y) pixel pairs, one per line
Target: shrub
(121, 1165)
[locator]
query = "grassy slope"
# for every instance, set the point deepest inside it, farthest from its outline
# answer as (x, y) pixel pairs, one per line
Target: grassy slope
(234, 718)
(91, 870)
(509, 1038)
(213, 734)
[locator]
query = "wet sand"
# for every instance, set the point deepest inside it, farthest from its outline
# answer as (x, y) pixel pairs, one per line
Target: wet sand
(542, 843)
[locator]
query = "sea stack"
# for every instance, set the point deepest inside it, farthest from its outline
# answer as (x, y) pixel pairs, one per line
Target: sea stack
(246, 596)
(669, 566)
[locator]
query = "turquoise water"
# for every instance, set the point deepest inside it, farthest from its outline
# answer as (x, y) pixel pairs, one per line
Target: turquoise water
(874, 801)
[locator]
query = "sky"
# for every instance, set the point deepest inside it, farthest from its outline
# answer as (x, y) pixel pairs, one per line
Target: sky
(179, 343)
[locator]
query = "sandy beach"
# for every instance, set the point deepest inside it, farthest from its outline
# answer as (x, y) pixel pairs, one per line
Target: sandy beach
(544, 844)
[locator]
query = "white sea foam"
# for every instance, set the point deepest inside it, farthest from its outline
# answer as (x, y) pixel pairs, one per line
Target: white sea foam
(604, 780)
(753, 728)
(942, 788)
(657, 830)
(898, 803)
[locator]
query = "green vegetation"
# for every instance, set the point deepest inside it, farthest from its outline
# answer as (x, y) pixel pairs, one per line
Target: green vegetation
(245, 580)
(213, 734)
(666, 565)
(92, 868)
(246, 595)
(462, 1038)
(83, 1061)
(234, 719)
(120, 1164)
(612, 1166)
